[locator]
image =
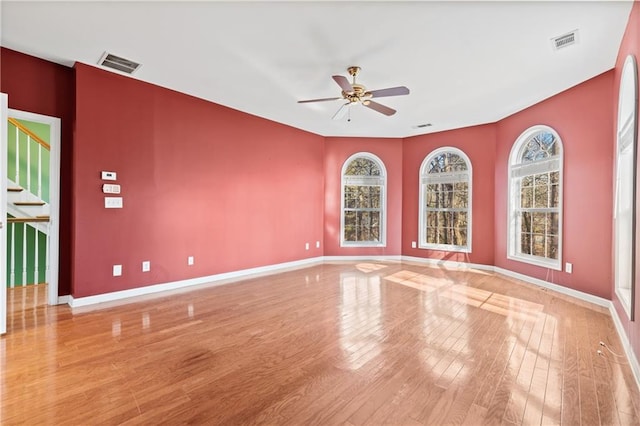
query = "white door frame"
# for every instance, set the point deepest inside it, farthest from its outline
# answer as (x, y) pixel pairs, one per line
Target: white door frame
(54, 197)
(3, 212)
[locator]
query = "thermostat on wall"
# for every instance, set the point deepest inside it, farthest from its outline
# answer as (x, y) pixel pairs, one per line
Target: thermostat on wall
(108, 175)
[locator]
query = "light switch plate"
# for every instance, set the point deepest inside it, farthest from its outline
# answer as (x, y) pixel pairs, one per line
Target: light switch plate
(112, 202)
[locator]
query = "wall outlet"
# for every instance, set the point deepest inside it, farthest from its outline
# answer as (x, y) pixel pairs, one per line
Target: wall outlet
(117, 270)
(306, 246)
(146, 266)
(190, 260)
(568, 268)
(317, 244)
(414, 244)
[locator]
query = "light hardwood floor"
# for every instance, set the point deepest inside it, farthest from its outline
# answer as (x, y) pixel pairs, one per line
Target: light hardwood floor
(344, 343)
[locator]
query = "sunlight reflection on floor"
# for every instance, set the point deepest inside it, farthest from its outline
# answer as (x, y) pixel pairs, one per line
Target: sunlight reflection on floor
(483, 299)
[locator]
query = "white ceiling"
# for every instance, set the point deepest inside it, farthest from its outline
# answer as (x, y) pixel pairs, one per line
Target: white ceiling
(465, 63)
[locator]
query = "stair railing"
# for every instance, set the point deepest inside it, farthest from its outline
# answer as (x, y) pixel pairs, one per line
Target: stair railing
(32, 139)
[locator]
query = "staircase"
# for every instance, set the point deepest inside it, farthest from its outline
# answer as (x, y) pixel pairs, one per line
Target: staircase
(27, 206)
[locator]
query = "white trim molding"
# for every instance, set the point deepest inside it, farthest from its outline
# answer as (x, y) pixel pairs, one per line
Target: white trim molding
(217, 279)
(626, 345)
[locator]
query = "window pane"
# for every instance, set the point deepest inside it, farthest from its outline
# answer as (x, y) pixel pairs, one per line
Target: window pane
(555, 177)
(431, 236)
(362, 167)
(552, 223)
(374, 195)
(460, 219)
(539, 223)
(461, 186)
(349, 197)
(460, 199)
(541, 179)
(446, 200)
(525, 243)
(461, 236)
(526, 198)
(552, 247)
(447, 162)
(525, 222)
(431, 198)
(540, 196)
(538, 246)
(432, 219)
(554, 197)
(443, 236)
(443, 219)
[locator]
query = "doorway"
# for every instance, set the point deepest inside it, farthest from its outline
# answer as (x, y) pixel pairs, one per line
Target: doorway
(30, 188)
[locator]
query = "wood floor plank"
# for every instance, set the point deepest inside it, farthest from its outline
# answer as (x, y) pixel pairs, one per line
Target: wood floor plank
(352, 343)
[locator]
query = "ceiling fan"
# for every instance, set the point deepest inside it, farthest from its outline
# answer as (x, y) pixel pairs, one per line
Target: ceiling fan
(355, 93)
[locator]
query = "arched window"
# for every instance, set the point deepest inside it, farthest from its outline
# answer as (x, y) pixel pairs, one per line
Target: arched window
(445, 201)
(623, 214)
(364, 182)
(535, 198)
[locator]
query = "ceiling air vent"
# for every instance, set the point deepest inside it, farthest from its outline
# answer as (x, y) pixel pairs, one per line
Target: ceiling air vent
(565, 40)
(117, 63)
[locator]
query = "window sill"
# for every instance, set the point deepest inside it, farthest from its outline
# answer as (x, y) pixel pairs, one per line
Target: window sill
(537, 261)
(362, 244)
(457, 249)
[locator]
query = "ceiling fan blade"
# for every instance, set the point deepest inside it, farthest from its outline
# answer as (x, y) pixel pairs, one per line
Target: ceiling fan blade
(341, 112)
(319, 100)
(383, 109)
(343, 82)
(391, 91)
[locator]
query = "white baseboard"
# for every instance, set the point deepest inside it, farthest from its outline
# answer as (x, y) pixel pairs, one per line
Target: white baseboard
(381, 258)
(586, 297)
(633, 360)
(64, 300)
(448, 264)
(216, 279)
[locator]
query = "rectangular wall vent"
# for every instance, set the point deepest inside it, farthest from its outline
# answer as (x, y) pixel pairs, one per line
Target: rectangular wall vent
(118, 63)
(565, 40)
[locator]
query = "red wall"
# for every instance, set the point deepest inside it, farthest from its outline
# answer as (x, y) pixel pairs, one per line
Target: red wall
(582, 118)
(630, 45)
(478, 143)
(42, 87)
(337, 150)
(198, 179)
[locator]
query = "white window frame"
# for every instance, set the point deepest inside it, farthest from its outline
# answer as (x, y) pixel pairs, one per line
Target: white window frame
(516, 171)
(365, 180)
(624, 215)
(452, 177)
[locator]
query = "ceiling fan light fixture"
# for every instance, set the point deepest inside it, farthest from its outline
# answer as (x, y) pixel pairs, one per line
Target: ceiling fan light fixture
(355, 94)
